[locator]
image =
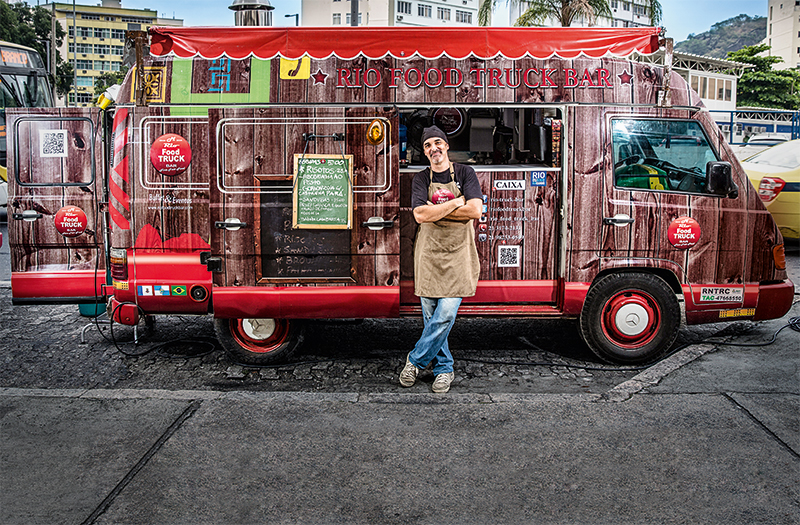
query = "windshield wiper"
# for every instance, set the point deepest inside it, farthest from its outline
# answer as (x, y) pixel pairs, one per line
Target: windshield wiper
(13, 92)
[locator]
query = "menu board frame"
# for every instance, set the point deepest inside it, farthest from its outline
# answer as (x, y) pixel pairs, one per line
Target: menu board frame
(345, 222)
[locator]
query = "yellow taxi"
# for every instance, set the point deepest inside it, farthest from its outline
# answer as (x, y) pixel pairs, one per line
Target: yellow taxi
(775, 173)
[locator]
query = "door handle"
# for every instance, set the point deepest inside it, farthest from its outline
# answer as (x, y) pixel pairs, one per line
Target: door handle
(27, 215)
(377, 223)
(231, 224)
(619, 220)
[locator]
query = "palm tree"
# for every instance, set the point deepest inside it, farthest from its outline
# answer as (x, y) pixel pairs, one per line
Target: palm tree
(565, 11)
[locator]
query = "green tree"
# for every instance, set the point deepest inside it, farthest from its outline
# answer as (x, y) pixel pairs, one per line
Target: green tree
(108, 79)
(765, 87)
(31, 26)
(537, 12)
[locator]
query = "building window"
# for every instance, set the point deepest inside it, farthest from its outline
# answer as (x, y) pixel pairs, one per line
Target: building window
(117, 50)
(404, 8)
(465, 17)
(626, 6)
(110, 18)
(84, 82)
(84, 64)
(442, 13)
(728, 85)
(101, 49)
(639, 10)
(119, 34)
(83, 98)
(82, 48)
(424, 10)
(347, 19)
(102, 65)
(614, 4)
(337, 19)
(136, 20)
(102, 32)
(90, 17)
(85, 32)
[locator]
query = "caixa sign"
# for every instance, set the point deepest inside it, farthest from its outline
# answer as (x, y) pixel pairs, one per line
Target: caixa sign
(518, 185)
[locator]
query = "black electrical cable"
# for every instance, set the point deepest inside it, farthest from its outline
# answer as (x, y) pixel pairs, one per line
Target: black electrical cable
(210, 342)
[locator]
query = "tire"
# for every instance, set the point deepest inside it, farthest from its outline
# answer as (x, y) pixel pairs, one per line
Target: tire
(259, 341)
(630, 318)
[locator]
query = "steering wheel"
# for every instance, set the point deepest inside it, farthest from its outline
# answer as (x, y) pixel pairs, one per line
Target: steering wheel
(627, 161)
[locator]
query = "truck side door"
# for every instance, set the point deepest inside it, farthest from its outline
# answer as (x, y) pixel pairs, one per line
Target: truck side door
(657, 207)
(55, 186)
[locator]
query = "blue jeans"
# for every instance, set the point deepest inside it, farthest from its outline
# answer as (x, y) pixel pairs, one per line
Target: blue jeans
(438, 316)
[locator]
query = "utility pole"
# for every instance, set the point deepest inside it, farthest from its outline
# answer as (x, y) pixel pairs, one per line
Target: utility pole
(354, 13)
(53, 49)
(74, 57)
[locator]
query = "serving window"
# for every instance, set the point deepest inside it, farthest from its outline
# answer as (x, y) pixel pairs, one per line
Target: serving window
(485, 135)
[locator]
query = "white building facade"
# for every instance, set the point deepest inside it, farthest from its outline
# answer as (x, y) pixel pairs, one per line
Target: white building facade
(783, 32)
(625, 13)
(383, 13)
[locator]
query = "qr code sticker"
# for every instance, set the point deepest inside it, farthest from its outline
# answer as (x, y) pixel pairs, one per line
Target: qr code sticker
(53, 142)
(508, 256)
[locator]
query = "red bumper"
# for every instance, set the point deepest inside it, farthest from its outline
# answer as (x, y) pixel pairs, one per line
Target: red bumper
(774, 300)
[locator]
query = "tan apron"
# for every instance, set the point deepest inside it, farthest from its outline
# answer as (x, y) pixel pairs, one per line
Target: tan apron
(445, 257)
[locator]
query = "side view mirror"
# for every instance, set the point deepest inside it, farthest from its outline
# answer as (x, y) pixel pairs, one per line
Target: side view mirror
(720, 180)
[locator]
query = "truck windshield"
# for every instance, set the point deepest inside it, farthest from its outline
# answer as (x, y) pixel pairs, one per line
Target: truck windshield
(666, 155)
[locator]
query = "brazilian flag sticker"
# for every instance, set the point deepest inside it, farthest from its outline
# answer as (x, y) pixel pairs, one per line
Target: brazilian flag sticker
(179, 289)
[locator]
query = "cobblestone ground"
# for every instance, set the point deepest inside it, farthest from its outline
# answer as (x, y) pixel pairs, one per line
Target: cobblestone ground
(41, 348)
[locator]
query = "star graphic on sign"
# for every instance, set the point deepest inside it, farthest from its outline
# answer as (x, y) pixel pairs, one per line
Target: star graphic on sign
(625, 78)
(319, 77)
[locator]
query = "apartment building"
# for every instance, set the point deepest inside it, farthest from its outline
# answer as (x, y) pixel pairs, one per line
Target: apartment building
(95, 41)
(783, 32)
(382, 13)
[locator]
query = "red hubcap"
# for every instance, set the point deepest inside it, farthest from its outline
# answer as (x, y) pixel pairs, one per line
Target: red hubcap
(631, 319)
(260, 335)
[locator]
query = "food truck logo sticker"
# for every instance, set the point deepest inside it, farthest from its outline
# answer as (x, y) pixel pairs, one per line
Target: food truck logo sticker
(684, 232)
(170, 154)
(70, 221)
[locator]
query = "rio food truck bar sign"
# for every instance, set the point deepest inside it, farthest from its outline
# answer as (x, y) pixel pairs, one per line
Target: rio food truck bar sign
(490, 77)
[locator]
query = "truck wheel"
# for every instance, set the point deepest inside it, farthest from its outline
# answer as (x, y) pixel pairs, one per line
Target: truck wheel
(259, 341)
(630, 318)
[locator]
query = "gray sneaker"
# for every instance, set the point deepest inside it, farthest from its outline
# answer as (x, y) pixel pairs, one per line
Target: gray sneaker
(409, 374)
(442, 382)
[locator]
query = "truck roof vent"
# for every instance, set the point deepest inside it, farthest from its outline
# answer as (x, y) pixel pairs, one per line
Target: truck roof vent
(252, 12)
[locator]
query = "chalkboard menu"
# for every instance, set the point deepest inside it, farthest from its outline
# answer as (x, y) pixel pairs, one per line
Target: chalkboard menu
(322, 196)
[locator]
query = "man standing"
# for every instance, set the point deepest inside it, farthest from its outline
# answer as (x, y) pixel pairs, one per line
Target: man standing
(445, 198)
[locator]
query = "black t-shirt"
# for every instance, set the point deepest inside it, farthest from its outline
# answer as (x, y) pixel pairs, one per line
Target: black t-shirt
(465, 178)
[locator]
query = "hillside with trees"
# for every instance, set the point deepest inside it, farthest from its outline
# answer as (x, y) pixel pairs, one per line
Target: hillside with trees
(726, 36)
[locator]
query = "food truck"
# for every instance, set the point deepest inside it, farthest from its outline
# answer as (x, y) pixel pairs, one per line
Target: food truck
(263, 176)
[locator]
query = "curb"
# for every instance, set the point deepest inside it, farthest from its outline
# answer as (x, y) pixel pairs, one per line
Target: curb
(653, 375)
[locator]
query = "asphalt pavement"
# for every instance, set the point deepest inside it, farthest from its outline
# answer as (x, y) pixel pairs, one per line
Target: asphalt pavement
(709, 435)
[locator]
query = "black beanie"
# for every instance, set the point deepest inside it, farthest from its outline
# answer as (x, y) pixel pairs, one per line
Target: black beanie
(431, 132)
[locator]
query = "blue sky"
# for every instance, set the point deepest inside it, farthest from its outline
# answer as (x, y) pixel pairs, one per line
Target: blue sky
(681, 17)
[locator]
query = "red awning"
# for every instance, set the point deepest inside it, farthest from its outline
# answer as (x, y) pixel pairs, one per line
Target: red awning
(428, 43)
